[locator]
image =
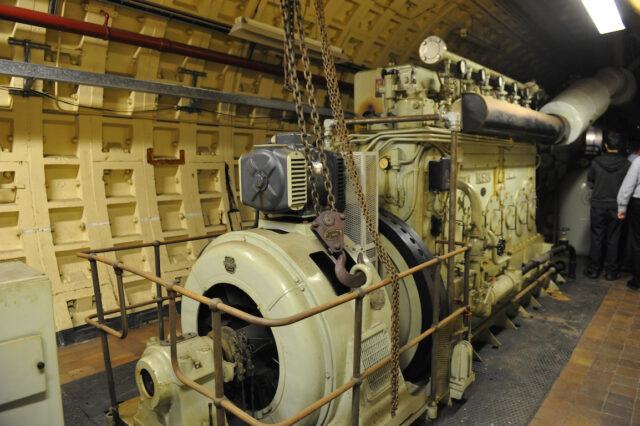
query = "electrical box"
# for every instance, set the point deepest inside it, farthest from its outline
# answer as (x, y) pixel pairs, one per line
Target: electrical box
(30, 394)
(439, 174)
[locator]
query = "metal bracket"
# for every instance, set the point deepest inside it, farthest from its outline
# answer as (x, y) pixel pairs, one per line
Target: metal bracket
(329, 228)
(193, 104)
(27, 45)
(159, 161)
(534, 303)
(452, 120)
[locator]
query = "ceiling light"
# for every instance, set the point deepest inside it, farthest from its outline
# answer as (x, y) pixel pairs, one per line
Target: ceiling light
(268, 35)
(605, 15)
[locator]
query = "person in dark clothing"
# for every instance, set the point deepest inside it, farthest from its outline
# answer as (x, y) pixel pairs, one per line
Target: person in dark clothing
(605, 177)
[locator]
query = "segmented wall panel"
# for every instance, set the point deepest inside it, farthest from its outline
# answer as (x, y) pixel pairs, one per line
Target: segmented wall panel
(74, 178)
(70, 182)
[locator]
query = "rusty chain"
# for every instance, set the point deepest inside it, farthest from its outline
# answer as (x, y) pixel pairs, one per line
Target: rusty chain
(350, 165)
(317, 128)
(292, 83)
(287, 9)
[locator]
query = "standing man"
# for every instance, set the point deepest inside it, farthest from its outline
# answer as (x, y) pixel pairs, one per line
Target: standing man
(606, 174)
(626, 257)
(629, 206)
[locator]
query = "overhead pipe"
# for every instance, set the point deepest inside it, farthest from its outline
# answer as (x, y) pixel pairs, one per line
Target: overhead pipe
(489, 116)
(104, 32)
(433, 50)
(170, 13)
(584, 101)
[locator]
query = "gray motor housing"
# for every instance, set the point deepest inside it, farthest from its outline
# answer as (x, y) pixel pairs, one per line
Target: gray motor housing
(273, 177)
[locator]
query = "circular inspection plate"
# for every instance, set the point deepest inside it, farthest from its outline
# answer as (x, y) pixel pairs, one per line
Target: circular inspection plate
(432, 50)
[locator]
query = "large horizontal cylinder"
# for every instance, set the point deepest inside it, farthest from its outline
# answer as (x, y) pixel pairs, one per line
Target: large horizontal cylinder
(587, 99)
(485, 115)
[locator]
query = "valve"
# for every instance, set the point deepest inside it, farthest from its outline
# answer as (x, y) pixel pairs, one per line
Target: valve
(501, 246)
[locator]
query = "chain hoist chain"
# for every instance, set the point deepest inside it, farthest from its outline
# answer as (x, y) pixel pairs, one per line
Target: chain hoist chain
(389, 267)
(317, 128)
(291, 79)
(287, 8)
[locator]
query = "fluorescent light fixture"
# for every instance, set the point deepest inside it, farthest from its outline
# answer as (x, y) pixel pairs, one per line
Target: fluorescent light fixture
(268, 35)
(605, 14)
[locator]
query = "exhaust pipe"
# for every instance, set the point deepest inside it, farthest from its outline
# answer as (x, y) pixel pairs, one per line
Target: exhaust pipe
(587, 99)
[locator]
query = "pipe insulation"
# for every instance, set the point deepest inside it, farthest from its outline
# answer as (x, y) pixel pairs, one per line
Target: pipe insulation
(562, 120)
(489, 116)
(584, 101)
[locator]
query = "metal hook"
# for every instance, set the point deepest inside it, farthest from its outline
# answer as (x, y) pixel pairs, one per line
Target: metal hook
(347, 279)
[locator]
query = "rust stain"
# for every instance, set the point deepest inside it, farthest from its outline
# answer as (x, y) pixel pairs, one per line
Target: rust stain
(557, 295)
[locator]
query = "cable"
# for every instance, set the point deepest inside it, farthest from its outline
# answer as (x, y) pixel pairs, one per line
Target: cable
(154, 109)
(235, 120)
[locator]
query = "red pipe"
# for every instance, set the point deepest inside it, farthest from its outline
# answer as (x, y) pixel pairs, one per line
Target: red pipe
(104, 32)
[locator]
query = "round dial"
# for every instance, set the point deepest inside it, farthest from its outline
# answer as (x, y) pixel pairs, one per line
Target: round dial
(500, 81)
(482, 76)
(462, 68)
(384, 163)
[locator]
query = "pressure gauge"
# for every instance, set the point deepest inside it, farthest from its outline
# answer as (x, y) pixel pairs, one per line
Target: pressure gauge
(384, 163)
(432, 50)
(527, 93)
(481, 76)
(514, 88)
(500, 81)
(462, 68)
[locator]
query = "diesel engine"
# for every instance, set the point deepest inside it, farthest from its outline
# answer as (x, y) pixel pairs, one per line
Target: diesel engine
(443, 155)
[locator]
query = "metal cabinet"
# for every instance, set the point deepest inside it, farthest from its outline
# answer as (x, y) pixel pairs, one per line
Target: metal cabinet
(30, 391)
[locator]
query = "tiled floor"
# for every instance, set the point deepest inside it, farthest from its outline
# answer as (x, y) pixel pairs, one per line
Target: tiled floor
(83, 359)
(600, 384)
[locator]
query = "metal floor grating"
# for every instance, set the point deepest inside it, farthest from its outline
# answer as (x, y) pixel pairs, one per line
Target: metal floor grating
(514, 379)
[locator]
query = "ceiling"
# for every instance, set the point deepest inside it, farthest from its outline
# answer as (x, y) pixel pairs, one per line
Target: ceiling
(543, 40)
(549, 41)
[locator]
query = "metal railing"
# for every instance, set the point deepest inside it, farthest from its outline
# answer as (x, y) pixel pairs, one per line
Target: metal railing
(217, 307)
(118, 268)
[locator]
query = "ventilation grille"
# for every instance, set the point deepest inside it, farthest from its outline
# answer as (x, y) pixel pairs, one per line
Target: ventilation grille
(355, 225)
(443, 355)
(374, 350)
(296, 169)
(339, 189)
